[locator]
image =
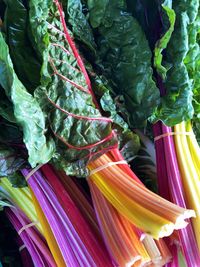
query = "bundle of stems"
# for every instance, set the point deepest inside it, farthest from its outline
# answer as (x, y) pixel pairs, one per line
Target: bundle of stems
(31, 238)
(188, 156)
(140, 206)
(171, 184)
(127, 245)
(148, 211)
(25, 255)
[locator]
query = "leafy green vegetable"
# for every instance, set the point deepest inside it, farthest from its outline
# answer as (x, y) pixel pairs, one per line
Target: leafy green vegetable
(10, 133)
(24, 58)
(2, 11)
(79, 24)
(128, 141)
(79, 130)
(26, 110)
(176, 105)
(6, 107)
(144, 163)
(192, 62)
(124, 57)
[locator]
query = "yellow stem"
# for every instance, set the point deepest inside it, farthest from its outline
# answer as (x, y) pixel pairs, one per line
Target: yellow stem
(51, 241)
(190, 177)
(148, 211)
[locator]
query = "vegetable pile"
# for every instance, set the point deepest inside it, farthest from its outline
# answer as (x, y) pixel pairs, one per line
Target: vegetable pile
(99, 132)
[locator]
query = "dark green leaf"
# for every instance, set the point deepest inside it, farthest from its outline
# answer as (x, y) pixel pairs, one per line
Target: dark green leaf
(26, 63)
(10, 133)
(79, 24)
(129, 142)
(64, 94)
(144, 163)
(26, 110)
(125, 57)
(176, 105)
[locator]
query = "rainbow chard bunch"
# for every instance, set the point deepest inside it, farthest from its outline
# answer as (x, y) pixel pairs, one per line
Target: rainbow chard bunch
(73, 129)
(75, 77)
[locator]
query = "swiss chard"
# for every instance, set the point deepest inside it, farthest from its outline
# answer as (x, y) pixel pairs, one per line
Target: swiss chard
(176, 105)
(25, 60)
(27, 111)
(124, 57)
(65, 94)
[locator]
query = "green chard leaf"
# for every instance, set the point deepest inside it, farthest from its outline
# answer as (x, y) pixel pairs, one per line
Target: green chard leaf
(6, 107)
(79, 130)
(24, 58)
(176, 104)
(129, 142)
(27, 111)
(79, 25)
(124, 57)
(192, 62)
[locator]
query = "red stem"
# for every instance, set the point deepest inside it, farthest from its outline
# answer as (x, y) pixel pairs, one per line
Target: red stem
(107, 138)
(78, 116)
(96, 248)
(75, 51)
(66, 79)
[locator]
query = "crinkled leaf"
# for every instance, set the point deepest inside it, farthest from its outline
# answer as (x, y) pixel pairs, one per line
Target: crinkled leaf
(125, 57)
(24, 58)
(26, 110)
(64, 95)
(176, 105)
(10, 161)
(79, 24)
(192, 62)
